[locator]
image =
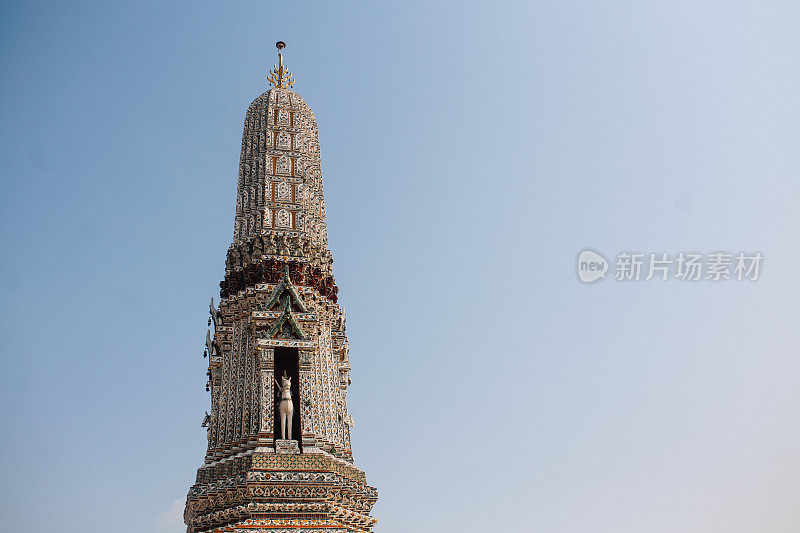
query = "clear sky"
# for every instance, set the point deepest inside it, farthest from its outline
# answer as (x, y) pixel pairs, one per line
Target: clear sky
(470, 152)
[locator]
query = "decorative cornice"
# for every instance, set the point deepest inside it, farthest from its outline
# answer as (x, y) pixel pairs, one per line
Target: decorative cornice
(271, 271)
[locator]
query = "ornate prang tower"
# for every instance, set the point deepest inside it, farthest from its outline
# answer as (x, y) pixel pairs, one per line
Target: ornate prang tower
(278, 359)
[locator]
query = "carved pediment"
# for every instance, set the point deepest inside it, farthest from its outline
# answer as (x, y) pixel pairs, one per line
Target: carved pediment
(285, 326)
(285, 290)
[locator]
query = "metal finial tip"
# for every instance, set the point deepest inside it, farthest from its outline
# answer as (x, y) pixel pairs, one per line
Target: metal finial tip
(280, 76)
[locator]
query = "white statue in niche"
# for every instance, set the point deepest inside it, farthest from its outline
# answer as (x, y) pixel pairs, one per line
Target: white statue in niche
(286, 408)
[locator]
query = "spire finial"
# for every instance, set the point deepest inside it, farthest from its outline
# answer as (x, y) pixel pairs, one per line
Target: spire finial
(280, 76)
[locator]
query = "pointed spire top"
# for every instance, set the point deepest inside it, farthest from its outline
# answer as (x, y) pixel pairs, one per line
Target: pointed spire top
(280, 76)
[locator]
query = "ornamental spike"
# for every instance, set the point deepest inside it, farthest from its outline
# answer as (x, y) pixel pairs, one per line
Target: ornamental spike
(280, 76)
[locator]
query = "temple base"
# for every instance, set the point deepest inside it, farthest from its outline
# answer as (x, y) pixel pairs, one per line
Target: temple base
(281, 493)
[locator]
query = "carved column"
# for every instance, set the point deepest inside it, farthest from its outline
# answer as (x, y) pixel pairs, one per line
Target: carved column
(266, 365)
(306, 396)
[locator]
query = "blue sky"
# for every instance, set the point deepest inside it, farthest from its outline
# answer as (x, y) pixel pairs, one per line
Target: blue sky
(470, 152)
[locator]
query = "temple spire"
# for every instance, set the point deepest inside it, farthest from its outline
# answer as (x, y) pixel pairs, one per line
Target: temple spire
(280, 76)
(278, 315)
